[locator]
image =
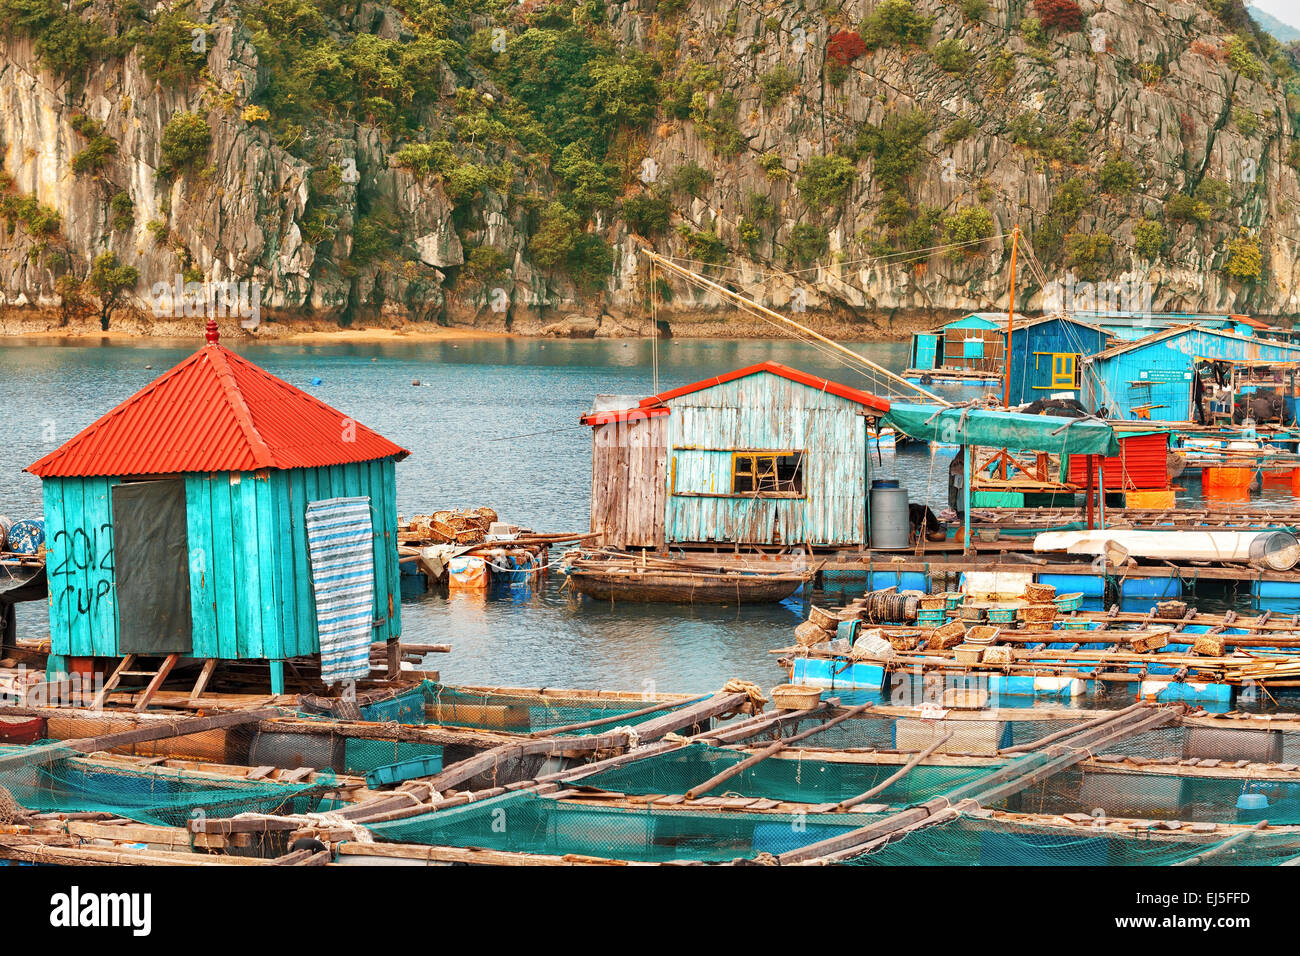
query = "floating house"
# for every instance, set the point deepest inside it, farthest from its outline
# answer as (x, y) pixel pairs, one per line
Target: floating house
(1132, 326)
(1155, 377)
(178, 524)
(968, 356)
(1047, 357)
(967, 353)
(765, 455)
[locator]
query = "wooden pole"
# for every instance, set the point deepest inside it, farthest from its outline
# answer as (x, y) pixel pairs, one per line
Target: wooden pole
(737, 769)
(1227, 844)
(897, 775)
(778, 317)
(1092, 479)
(1011, 313)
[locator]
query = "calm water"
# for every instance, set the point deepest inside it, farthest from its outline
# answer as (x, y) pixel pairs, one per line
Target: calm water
(491, 423)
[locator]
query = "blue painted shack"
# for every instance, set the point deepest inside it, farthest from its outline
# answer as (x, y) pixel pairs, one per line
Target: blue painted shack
(763, 455)
(1047, 354)
(176, 524)
(1155, 377)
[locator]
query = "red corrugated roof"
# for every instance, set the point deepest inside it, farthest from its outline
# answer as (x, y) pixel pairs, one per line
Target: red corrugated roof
(775, 368)
(215, 412)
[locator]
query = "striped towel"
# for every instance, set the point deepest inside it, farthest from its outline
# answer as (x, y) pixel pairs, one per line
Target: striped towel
(341, 544)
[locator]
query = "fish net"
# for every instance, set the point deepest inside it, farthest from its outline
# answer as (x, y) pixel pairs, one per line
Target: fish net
(795, 778)
(53, 779)
(1188, 773)
(435, 703)
(527, 823)
(972, 842)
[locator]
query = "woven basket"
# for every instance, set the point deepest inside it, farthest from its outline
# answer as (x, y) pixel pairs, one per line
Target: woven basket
(824, 619)
(999, 655)
(1171, 610)
(973, 613)
(1067, 603)
(904, 640)
(1210, 645)
(795, 697)
(807, 634)
(1002, 614)
(967, 653)
(1037, 593)
(1038, 613)
(934, 602)
(1150, 642)
(942, 638)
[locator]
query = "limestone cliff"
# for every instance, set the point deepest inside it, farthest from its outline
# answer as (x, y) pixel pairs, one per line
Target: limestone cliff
(494, 164)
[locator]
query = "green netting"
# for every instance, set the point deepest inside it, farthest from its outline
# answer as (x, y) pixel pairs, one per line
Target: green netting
(973, 842)
(527, 823)
(363, 755)
(431, 702)
(796, 778)
(159, 795)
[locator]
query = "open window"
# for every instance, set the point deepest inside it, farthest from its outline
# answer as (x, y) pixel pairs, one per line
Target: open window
(768, 474)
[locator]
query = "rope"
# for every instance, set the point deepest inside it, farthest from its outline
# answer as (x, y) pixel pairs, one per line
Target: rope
(738, 686)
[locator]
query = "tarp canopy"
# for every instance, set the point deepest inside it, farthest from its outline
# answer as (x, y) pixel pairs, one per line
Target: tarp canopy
(997, 429)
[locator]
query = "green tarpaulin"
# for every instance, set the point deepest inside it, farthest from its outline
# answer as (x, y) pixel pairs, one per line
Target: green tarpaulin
(996, 429)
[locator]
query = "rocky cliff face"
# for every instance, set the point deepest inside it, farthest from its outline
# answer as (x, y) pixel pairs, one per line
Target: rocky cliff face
(847, 160)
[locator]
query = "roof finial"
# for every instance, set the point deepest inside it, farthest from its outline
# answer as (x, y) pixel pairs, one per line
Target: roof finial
(212, 335)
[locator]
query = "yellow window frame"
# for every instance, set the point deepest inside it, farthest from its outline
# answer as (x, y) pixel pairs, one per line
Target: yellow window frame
(1065, 370)
(762, 465)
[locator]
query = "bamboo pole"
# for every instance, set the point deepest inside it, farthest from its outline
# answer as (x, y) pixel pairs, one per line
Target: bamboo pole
(1227, 844)
(768, 751)
(777, 316)
(897, 775)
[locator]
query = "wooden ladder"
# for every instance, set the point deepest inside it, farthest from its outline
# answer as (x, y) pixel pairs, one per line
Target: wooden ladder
(156, 678)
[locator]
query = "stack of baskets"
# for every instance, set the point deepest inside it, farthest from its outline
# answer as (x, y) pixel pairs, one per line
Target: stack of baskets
(1040, 604)
(820, 626)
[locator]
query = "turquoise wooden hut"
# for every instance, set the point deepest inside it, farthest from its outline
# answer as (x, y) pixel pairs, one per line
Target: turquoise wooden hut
(177, 525)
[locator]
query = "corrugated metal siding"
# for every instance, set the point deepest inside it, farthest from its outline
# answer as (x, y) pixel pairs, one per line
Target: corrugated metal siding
(766, 412)
(215, 412)
(250, 581)
(1143, 463)
(1108, 379)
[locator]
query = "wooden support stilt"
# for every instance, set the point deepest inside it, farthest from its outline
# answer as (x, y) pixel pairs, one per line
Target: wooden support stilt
(156, 681)
(394, 658)
(113, 680)
(205, 675)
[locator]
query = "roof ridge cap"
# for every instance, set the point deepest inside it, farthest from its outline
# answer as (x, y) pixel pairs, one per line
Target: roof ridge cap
(216, 356)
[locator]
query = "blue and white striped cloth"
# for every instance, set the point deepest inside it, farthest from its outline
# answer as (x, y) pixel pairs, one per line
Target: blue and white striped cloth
(340, 541)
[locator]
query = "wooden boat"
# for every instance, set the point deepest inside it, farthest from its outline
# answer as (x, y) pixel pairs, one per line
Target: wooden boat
(663, 586)
(649, 579)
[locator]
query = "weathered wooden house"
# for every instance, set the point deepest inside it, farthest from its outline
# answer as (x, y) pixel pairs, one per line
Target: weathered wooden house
(765, 455)
(177, 524)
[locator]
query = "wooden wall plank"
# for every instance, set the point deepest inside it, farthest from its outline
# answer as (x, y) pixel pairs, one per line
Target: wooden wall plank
(202, 548)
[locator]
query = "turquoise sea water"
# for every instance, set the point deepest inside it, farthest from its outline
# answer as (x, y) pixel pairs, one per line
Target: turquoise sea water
(495, 423)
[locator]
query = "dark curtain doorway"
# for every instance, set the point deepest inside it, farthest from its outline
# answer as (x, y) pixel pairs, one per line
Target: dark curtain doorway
(151, 545)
